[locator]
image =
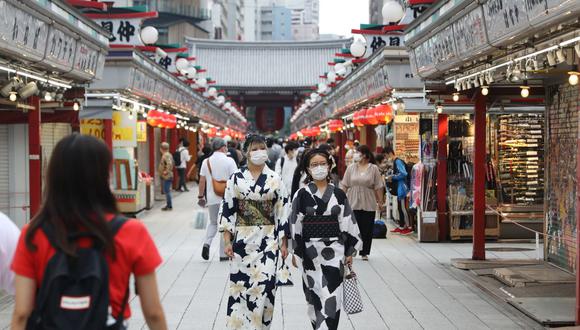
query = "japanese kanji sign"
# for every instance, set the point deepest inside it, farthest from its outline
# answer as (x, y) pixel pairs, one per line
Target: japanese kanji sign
(124, 31)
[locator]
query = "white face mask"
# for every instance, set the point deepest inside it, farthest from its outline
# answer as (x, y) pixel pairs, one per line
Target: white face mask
(319, 173)
(259, 157)
(357, 157)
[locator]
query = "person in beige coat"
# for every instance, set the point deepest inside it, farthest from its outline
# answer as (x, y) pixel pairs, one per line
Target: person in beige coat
(166, 174)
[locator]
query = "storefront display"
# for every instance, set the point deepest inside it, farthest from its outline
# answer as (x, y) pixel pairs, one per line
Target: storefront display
(407, 143)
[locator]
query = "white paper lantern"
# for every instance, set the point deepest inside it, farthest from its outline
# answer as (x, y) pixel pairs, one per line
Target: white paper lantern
(201, 82)
(392, 12)
(221, 99)
(358, 49)
(331, 76)
(314, 97)
(340, 69)
(149, 35)
(322, 88)
(181, 64)
(227, 105)
(190, 72)
(212, 92)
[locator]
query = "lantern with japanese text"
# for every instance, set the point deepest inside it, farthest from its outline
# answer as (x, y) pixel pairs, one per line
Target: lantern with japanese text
(357, 118)
(335, 125)
(370, 118)
(384, 114)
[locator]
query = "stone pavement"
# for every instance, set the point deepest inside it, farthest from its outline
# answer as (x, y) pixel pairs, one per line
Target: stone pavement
(405, 285)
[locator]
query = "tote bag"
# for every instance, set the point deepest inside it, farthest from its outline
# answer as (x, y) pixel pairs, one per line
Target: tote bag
(351, 300)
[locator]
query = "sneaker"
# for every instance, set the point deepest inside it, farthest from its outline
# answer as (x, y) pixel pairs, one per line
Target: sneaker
(407, 231)
(167, 208)
(397, 230)
(205, 252)
(365, 258)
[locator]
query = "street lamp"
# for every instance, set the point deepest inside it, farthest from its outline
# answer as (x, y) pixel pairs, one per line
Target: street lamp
(392, 12)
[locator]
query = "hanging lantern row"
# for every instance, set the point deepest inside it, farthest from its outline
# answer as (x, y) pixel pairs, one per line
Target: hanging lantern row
(215, 132)
(379, 115)
(335, 125)
(311, 132)
(160, 119)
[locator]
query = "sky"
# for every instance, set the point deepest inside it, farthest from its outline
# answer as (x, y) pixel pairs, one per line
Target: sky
(341, 16)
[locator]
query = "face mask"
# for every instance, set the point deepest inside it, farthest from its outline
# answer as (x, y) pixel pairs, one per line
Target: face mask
(319, 173)
(259, 157)
(357, 157)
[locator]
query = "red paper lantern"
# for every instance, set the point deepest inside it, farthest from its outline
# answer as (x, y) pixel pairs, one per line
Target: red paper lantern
(357, 118)
(335, 125)
(212, 132)
(370, 117)
(384, 114)
(153, 118)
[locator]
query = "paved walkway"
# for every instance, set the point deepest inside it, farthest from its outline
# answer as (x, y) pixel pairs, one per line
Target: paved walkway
(405, 285)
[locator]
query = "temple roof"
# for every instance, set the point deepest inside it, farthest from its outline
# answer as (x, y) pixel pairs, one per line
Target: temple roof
(265, 65)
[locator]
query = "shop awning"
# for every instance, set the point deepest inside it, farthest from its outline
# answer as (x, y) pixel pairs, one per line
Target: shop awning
(130, 72)
(50, 36)
(454, 33)
(378, 76)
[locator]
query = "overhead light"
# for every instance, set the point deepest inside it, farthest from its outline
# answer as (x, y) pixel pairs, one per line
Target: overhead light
(573, 78)
(47, 96)
(525, 89)
(439, 107)
(560, 56)
(484, 90)
(76, 106)
(28, 90)
(551, 59)
(476, 82)
(13, 96)
(455, 97)
(12, 85)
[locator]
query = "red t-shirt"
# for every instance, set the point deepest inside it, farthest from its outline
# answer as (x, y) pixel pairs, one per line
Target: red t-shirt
(135, 253)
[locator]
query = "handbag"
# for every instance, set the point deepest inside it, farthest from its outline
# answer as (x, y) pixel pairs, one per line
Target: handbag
(219, 187)
(351, 298)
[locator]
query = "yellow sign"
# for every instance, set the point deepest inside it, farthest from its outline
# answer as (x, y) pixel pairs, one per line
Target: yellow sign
(124, 129)
(93, 127)
(142, 131)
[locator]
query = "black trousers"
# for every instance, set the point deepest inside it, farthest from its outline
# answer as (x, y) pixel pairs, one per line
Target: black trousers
(366, 222)
(181, 172)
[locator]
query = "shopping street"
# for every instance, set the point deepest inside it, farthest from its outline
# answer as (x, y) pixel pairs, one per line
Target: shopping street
(405, 285)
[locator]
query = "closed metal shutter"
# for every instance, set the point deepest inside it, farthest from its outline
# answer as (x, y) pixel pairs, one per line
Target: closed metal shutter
(4, 171)
(50, 134)
(562, 142)
(143, 156)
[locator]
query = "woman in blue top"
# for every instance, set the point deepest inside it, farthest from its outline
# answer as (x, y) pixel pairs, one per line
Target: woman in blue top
(399, 178)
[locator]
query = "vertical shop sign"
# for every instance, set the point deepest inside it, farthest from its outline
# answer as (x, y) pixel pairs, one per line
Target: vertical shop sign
(504, 18)
(469, 32)
(124, 129)
(61, 48)
(142, 131)
(86, 59)
(124, 31)
(21, 32)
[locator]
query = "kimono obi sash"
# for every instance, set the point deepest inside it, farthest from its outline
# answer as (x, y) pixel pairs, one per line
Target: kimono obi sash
(320, 226)
(255, 213)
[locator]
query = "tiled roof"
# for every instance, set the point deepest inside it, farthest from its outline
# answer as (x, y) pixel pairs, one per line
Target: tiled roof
(265, 64)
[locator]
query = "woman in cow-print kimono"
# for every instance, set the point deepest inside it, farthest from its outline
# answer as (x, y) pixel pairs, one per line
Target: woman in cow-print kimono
(253, 217)
(325, 236)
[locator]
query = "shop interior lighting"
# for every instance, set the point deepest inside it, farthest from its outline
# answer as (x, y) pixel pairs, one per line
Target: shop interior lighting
(476, 82)
(53, 82)
(543, 51)
(13, 96)
(525, 89)
(560, 56)
(47, 96)
(484, 90)
(573, 78)
(76, 106)
(551, 58)
(455, 97)
(439, 107)
(481, 80)
(28, 90)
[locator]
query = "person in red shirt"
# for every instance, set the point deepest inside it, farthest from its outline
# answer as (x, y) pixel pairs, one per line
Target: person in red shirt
(78, 199)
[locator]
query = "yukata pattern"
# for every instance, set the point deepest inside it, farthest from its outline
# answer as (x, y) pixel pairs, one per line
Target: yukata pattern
(255, 212)
(323, 258)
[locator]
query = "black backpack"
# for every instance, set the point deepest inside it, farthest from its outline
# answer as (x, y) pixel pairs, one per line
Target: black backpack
(74, 293)
(177, 157)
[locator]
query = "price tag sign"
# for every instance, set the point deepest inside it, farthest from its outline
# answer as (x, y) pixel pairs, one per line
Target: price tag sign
(93, 127)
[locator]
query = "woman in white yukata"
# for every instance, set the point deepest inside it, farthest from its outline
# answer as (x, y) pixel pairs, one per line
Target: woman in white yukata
(253, 217)
(325, 237)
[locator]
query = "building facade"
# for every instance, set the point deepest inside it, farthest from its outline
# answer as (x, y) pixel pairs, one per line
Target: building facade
(275, 23)
(375, 11)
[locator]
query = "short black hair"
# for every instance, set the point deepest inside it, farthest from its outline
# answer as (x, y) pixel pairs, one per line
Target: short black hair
(330, 141)
(366, 152)
(326, 147)
(253, 138)
(388, 150)
(291, 145)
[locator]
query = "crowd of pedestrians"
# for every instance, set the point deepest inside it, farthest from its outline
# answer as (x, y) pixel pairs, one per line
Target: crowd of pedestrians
(70, 268)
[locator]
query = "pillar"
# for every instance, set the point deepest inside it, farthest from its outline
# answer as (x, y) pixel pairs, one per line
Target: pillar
(163, 135)
(108, 128)
(479, 179)
(443, 122)
(151, 141)
(34, 161)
